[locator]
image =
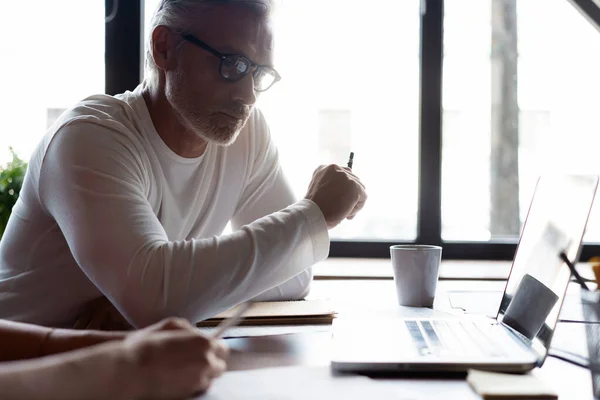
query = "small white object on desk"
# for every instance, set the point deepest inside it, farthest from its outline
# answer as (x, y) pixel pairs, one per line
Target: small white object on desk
(497, 386)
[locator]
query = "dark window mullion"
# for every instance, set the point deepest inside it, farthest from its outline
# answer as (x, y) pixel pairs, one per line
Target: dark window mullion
(430, 164)
(429, 214)
(123, 46)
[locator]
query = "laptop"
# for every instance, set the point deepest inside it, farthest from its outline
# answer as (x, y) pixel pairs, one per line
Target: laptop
(518, 339)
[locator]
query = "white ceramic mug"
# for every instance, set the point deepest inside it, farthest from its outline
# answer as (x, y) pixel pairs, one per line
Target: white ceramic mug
(416, 269)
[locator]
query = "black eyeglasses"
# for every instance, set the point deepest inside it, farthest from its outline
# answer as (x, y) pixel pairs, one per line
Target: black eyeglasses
(234, 67)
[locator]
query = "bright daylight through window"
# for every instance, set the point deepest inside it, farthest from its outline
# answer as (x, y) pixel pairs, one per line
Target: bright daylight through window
(46, 69)
(519, 99)
(521, 84)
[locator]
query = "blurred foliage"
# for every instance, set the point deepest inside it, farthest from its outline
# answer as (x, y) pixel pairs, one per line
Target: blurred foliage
(11, 180)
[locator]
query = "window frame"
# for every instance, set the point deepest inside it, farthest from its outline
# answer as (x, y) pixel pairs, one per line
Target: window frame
(124, 46)
(124, 70)
(589, 9)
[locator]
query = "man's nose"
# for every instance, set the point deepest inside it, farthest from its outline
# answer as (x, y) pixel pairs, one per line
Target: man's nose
(244, 90)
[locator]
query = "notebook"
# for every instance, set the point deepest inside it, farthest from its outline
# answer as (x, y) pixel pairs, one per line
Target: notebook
(297, 312)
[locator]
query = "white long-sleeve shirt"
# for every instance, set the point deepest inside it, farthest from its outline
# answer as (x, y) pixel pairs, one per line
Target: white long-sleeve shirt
(108, 209)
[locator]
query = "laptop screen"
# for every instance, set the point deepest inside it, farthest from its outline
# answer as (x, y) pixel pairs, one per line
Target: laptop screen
(538, 279)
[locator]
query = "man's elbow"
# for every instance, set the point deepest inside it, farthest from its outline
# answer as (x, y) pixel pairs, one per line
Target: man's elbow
(142, 311)
(305, 283)
(141, 317)
(296, 288)
(305, 290)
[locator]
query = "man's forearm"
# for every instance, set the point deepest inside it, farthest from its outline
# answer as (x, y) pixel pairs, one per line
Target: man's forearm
(20, 341)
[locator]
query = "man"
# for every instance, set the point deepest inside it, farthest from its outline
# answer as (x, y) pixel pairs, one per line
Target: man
(167, 360)
(126, 196)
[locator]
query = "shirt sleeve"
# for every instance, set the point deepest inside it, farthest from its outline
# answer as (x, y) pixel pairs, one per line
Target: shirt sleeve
(94, 182)
(268, 191)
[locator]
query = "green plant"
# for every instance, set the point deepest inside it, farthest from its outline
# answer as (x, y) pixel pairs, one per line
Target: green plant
(11, 180)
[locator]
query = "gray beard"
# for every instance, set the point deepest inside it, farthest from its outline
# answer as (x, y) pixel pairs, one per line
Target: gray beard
(210, 130)
(203, 125)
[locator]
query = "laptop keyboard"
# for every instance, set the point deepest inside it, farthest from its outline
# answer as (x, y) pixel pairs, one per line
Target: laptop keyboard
(450, 337)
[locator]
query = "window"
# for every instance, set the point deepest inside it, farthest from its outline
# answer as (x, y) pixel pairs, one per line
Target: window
(520, 98)
(47, 66)
(348, 89)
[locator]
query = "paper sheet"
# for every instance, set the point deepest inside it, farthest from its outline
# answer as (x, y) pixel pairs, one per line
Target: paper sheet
(297, 383)
(268, 330)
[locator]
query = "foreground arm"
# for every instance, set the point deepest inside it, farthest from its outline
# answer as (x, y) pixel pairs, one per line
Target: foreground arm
(22, 341)
(89, 373)
(165, 361)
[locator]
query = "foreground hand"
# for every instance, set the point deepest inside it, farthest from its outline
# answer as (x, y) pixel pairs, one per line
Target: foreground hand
(172, 360)
(338, 193)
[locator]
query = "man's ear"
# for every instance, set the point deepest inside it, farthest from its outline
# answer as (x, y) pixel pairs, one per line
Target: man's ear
(164, 48)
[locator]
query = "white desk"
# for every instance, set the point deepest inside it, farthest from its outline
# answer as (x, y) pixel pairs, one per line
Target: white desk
(350, 296)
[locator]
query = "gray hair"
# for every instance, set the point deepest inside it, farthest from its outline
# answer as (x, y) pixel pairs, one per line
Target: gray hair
(175, 14)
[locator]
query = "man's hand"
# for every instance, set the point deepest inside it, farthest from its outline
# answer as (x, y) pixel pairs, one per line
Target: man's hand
(338, 193)
(172, 359)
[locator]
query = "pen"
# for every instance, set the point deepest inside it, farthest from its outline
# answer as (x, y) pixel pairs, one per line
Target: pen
(351, 160)
(578, 277)
(229, 322)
